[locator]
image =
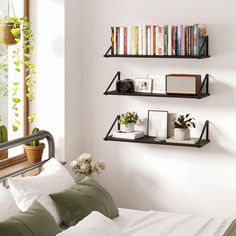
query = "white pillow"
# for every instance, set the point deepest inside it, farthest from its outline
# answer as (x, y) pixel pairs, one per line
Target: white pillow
(8, 206)
(92, 225)
(54, 178)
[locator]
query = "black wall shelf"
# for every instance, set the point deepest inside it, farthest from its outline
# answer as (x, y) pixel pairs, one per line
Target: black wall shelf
(200, 95)
(150, 140)
(203, 53)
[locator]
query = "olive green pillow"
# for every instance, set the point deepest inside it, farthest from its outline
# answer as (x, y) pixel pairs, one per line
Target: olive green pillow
(36, 221)
(79, 201)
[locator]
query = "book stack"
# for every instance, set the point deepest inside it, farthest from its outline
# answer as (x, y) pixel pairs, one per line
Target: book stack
(165, 40)
(134, 135)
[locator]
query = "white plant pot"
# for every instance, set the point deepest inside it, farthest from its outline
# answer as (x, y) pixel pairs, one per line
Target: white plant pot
(128, 129)
(182, 134)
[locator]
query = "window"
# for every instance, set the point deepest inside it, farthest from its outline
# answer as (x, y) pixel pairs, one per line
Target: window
(13, 101)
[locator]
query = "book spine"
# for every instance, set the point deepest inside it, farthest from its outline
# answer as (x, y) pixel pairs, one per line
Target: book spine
(189, 40)
(174, 40)
(192, 39)
(133, 40)
(169, 40)
(137, 40)
(182, 40)
(161, 40)
(125, 41)
(117, 40)
(140, 40)
(202, 35)
(178, 40)
(148, 40)
(121, 41)
(112, 40)
(156, 40)
(151, 39)
(129, 41)
(144, 40)
(166, 40)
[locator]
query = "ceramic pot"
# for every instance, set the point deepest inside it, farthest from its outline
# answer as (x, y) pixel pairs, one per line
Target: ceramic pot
(3, 154)
(34, 153)
(6, 37)
(182, 134)
(128, 129)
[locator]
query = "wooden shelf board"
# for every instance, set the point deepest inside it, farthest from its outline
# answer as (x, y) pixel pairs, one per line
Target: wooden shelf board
(150, 140)
(199, 96)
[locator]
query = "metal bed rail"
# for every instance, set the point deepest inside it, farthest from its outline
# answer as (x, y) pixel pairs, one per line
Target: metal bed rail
(42, 134)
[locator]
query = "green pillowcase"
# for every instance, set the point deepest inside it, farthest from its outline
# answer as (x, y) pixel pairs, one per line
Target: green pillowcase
(79, 201)
(36, 221)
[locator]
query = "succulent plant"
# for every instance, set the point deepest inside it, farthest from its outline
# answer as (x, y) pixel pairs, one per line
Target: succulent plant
(184, 122)
(35, 142)
(3, 134)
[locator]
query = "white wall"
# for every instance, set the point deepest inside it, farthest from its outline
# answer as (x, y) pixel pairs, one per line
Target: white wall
(197, 181)
(73, 79)
(48, 26)
(57, 25)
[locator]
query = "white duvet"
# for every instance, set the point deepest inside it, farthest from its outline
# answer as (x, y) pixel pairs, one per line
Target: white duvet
(152, 223)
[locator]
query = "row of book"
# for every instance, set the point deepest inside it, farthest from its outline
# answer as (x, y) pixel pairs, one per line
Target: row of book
(159, 40)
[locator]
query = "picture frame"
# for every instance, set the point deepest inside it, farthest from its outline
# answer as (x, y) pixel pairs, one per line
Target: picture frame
(157, 123)
(158, 83)
(143, 85)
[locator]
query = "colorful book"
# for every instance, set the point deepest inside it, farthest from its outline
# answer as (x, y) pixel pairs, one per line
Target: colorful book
(144, 40)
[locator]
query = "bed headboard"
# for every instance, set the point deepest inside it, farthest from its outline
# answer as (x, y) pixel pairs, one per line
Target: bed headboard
(42, 134)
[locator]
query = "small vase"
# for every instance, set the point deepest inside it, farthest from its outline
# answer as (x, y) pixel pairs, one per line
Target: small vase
(128, 129)
(182, 134)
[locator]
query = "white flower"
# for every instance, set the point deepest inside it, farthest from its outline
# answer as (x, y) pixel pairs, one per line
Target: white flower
(101, 164)
(73, 163)
(85, 157)
(85, 168)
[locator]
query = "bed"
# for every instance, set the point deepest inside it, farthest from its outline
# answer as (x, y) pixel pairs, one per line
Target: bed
(96, 221)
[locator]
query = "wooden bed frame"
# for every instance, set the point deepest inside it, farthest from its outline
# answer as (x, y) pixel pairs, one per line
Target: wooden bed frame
(42, 134)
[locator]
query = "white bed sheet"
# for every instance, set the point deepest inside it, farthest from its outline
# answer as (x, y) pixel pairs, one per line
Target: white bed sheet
(155, 223)
(128, 216)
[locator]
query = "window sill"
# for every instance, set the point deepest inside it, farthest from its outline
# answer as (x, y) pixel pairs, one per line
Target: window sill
(19, 166)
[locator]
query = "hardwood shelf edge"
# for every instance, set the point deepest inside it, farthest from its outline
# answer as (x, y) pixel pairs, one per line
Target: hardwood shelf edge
(198, 96)
(150, 141)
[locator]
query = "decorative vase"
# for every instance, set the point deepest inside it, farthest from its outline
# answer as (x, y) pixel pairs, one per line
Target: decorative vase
(34, 153)
(182, 134)
(128, 129)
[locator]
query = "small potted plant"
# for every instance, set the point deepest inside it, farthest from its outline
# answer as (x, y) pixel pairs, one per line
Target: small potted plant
(86, 166)
(127, 121)
(34, 149)
(3, 139)
(181, 127)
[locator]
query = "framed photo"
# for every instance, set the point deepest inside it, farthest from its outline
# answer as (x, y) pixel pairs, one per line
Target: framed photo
(143, 85)
(158, 83)
(157, 124)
